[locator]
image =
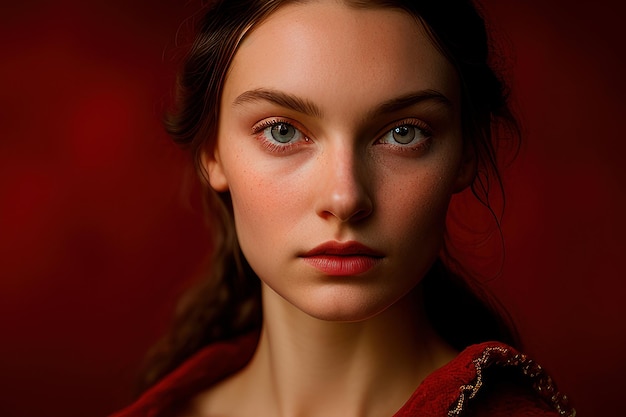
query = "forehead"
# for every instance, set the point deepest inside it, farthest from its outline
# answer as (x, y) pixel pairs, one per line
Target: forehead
(330, 52)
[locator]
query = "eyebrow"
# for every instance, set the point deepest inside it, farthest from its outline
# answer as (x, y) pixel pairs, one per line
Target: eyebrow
(411, 99)
(304, 106)
(282, 99)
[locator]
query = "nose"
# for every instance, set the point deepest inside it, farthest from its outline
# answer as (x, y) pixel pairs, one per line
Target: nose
(343, 186)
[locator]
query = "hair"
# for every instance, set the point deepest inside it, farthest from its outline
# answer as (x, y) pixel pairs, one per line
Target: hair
(226, 301)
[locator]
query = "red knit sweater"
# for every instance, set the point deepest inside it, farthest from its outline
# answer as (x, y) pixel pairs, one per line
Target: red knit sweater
(488, 379)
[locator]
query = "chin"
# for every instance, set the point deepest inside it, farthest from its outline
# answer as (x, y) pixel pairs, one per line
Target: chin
(346, 306)
(340, 301)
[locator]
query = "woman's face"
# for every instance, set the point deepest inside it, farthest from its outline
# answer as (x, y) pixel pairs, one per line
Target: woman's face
(340, 143)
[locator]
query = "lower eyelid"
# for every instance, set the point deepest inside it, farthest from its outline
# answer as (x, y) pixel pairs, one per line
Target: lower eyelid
(419, 148)
(274, 147)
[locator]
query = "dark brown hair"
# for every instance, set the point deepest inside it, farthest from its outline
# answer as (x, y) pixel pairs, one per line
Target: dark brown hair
(226, 301)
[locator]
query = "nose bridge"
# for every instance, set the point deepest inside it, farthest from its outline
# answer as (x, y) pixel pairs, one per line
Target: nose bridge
(344, 183)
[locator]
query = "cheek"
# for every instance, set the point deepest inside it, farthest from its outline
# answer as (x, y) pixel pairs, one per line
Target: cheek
(255, 204)
(414, 210)
(420, 210)
(265, 207)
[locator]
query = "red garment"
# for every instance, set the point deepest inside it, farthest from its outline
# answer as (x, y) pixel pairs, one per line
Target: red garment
(488, 379)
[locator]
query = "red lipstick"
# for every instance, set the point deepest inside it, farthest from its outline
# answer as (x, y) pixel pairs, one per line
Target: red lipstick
(342, 258)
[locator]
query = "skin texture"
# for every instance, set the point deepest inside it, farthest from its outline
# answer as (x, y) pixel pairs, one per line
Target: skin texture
(341, 178)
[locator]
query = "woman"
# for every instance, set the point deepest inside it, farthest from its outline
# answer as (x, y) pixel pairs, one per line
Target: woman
(332, 136)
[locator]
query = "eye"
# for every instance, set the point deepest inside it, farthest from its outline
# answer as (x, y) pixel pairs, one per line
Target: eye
(411, 137)
(282, 132)
(406, 134)
(278, 135)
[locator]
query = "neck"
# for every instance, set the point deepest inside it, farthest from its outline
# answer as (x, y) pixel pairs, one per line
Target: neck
(367, 368)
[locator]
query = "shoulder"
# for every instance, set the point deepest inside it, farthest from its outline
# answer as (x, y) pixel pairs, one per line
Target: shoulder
(203, 370)
(489, 379)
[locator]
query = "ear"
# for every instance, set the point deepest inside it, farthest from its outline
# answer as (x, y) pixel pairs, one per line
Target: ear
(467, 169)
(212, 166)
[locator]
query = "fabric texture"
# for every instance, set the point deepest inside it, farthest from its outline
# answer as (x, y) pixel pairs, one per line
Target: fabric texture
(488, 379)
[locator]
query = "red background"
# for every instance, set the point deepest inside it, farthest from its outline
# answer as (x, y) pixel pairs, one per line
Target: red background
(97, 238)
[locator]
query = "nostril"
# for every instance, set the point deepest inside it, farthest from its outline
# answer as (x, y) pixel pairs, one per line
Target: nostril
(360, 215)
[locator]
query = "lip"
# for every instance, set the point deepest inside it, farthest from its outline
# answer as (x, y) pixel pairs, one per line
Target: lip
(342, 258)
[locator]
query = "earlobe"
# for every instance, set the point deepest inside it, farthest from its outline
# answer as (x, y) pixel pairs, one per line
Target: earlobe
(212, 166)
(467, 171)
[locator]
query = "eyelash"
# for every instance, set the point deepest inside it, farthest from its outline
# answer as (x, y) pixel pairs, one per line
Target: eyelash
(273, 146)
(422, 127)
(276, 147)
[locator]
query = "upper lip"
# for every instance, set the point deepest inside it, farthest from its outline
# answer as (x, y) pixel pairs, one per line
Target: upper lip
(335, 248)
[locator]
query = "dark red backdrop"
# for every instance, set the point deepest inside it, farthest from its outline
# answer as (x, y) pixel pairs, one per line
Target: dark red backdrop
(96, 239)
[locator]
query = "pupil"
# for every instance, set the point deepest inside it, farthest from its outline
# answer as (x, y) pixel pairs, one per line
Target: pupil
(283, 130)
(402, 131)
